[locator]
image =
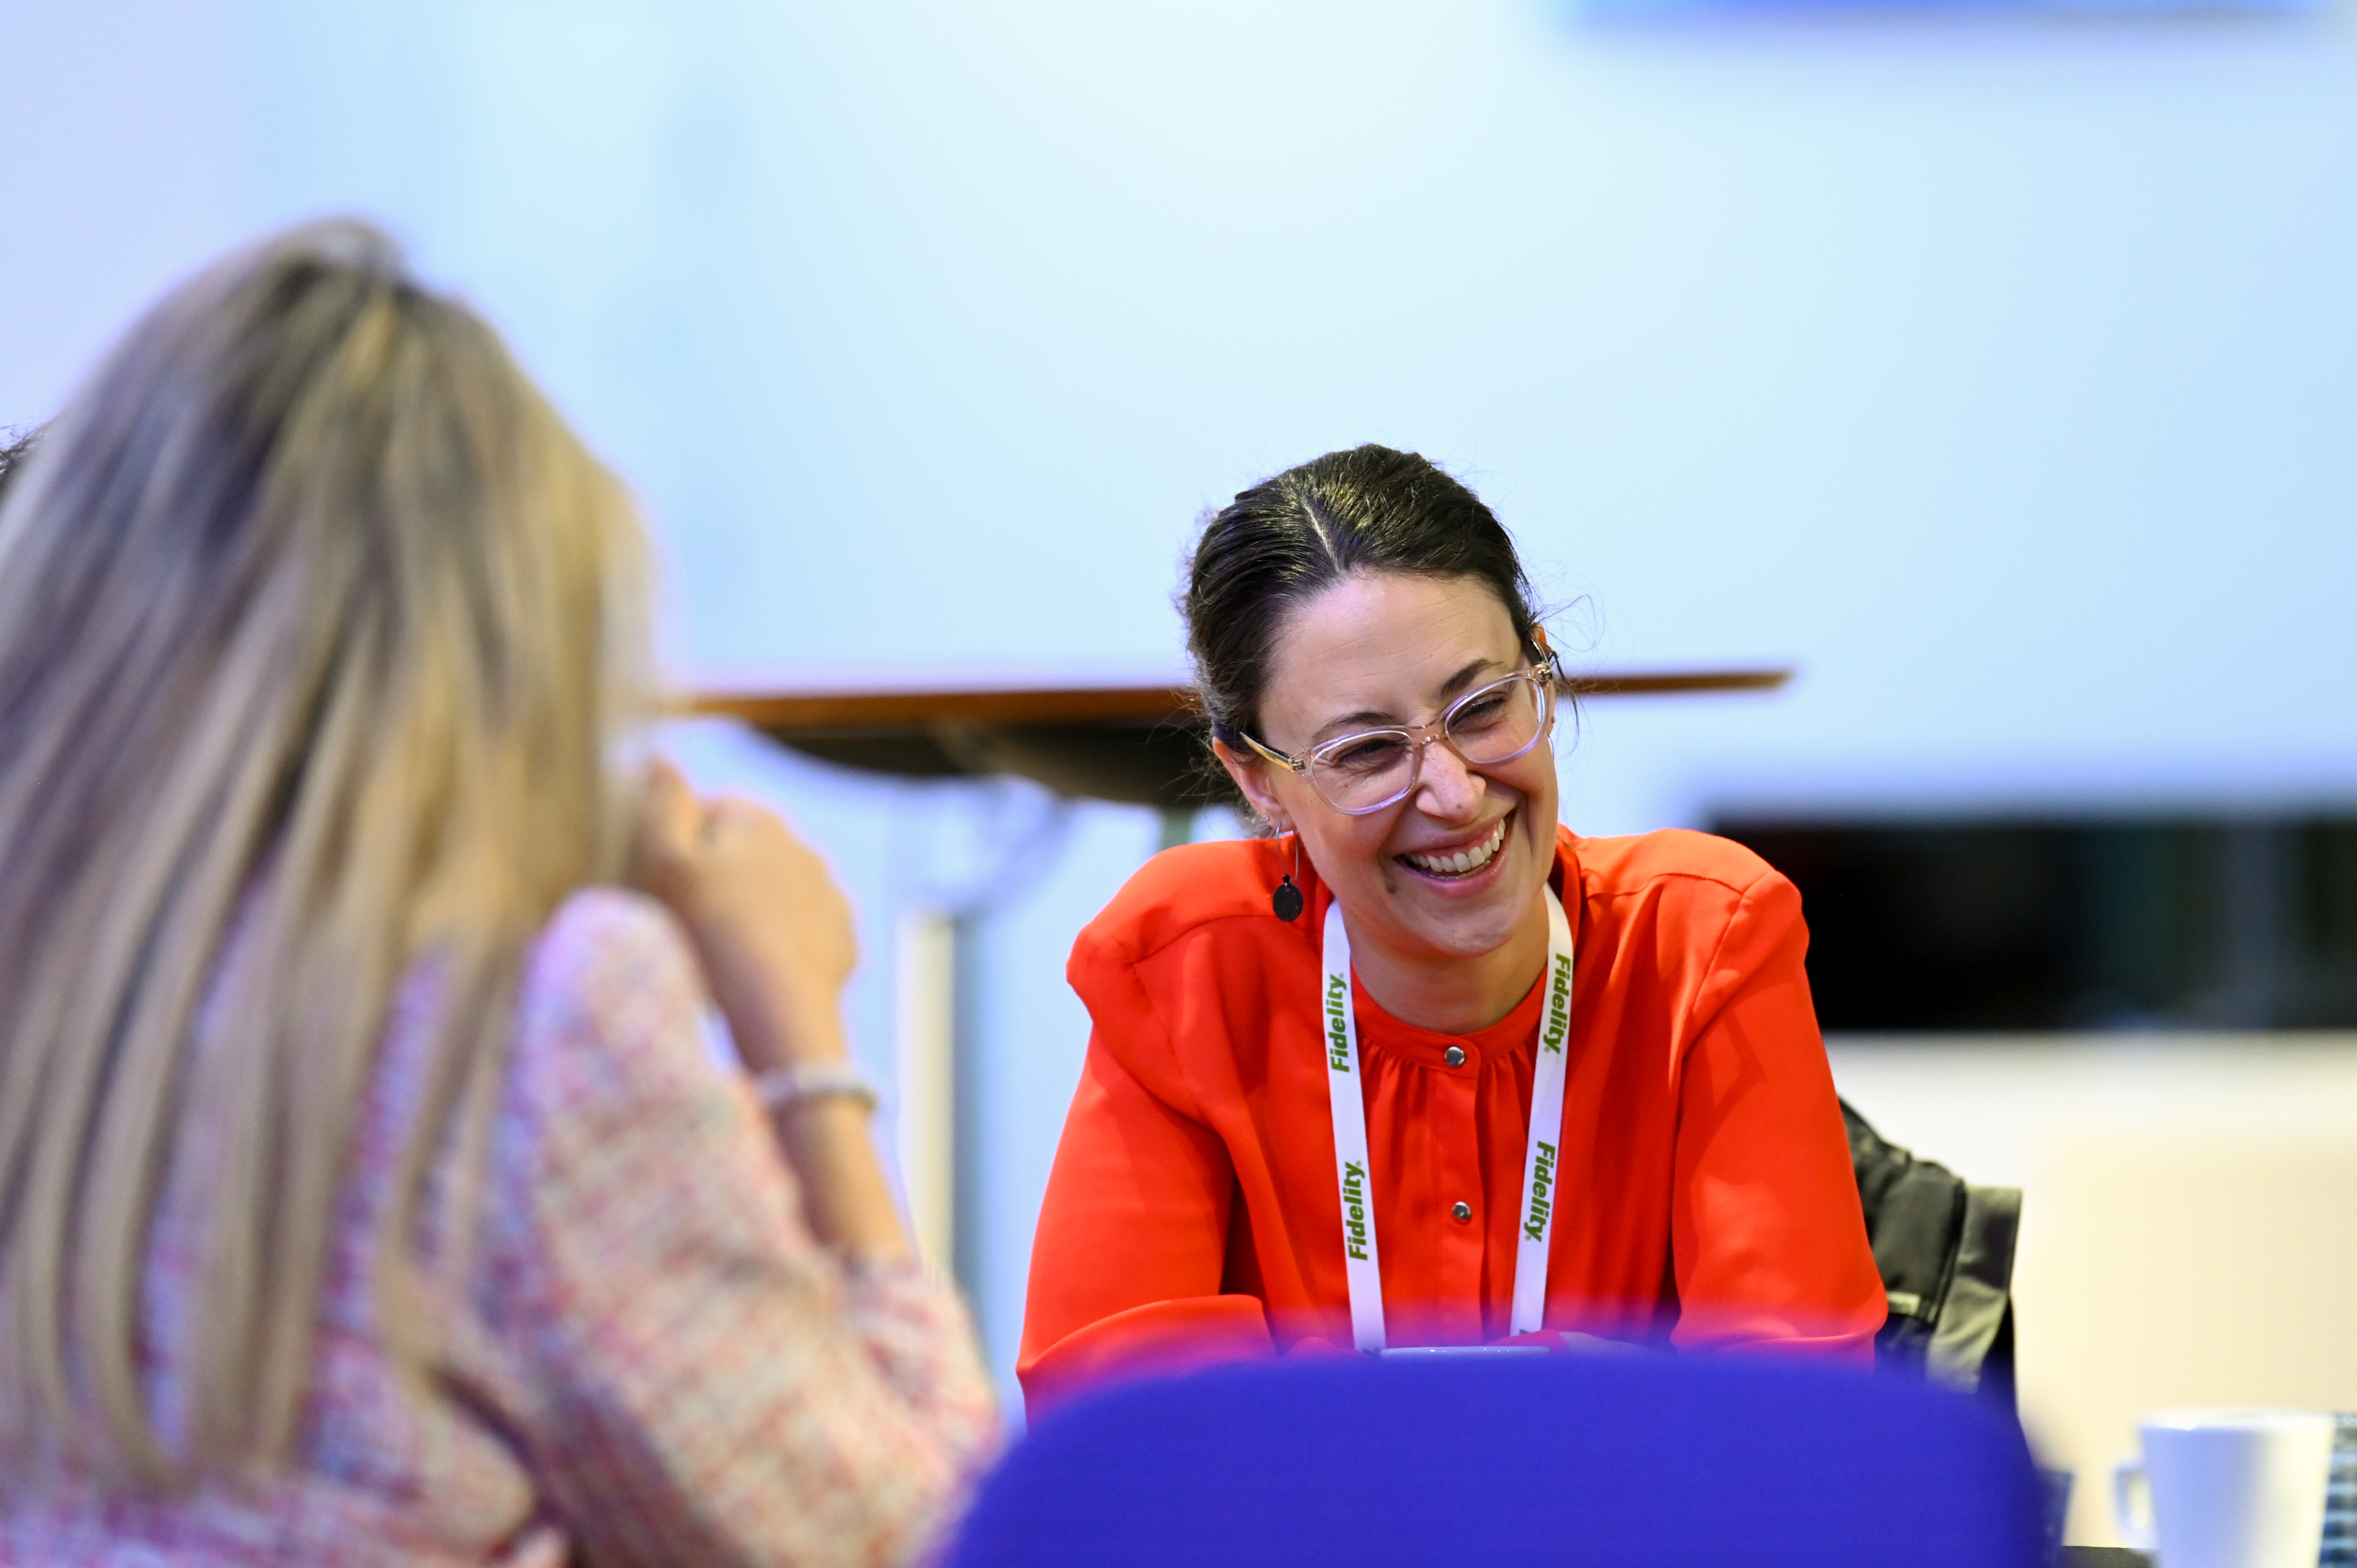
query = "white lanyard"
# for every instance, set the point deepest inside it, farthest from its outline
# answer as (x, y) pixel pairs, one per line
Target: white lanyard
(1350, 1110)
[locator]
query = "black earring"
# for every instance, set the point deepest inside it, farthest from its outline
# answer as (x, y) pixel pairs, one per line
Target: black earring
(1287, 900)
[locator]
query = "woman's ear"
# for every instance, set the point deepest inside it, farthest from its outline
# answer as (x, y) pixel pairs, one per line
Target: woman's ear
(1251, 775)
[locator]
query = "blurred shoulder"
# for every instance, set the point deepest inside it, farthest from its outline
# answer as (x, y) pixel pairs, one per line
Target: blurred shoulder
(610, 999)
(605, 936)
(1669, 860)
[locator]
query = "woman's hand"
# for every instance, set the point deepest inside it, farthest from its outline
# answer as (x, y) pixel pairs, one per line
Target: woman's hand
(773, 932)
(770, 926)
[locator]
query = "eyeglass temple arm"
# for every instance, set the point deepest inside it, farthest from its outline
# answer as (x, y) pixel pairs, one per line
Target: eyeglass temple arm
(1277, 757)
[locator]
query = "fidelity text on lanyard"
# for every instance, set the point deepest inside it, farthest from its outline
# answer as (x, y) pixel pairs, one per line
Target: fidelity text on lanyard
(1350, 1110)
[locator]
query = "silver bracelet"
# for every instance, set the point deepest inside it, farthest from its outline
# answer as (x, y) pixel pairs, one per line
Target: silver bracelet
(792, 1085)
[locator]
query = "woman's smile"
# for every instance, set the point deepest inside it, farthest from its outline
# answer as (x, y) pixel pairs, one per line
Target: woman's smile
(1458, 861)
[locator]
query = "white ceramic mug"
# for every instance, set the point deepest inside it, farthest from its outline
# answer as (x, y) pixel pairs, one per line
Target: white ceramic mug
(2230, 1488)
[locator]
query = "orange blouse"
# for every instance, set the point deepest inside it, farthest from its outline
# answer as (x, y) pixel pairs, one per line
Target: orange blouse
(1705, 1179)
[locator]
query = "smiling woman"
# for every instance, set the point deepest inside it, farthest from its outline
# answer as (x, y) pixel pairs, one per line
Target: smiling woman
(1422, 1067)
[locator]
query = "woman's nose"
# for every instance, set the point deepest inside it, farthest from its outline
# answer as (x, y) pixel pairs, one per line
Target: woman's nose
(1447, 791)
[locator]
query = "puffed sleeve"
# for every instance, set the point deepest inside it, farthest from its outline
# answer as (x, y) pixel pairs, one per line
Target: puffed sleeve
(1127, 1264)
(705, 1383)
(1768, 1239)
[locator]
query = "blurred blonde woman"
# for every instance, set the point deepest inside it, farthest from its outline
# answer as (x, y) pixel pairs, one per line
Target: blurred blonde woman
(366, 1191)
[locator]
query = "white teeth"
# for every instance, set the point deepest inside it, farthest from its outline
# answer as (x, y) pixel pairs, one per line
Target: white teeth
(1462, 861)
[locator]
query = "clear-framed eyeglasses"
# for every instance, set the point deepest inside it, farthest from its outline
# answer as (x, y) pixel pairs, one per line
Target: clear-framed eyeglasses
(1369, 769)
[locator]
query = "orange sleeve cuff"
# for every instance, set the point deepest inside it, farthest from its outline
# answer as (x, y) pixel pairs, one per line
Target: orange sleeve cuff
(1152, 1340)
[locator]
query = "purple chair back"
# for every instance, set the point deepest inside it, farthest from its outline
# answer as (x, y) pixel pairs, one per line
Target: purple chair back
(1619, 1461)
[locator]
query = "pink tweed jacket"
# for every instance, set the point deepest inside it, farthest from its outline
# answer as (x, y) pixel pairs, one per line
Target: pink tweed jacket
(653, 1361)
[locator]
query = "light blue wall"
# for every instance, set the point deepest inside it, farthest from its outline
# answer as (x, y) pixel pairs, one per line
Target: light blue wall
(1999, 373)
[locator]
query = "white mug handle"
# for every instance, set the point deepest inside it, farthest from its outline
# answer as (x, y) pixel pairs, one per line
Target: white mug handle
(2140, 1536)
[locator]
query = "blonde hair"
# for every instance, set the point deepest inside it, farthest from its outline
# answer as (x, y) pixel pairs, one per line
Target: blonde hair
(314, 624)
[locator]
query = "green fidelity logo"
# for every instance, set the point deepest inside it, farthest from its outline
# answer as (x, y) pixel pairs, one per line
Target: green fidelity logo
(1338, 1030)
(1541, 1187)
(1355, 1209)
(1558, 1005)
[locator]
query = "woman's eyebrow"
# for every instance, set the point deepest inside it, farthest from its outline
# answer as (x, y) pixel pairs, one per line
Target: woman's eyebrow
(1464, 678)
(1372, 718)
(1363, 719)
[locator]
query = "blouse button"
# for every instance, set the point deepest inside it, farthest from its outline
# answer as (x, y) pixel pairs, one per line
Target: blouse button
(1454, 1056)
(1461, 1213)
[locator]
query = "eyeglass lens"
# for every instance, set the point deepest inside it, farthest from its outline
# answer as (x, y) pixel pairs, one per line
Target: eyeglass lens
(1361, 772)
